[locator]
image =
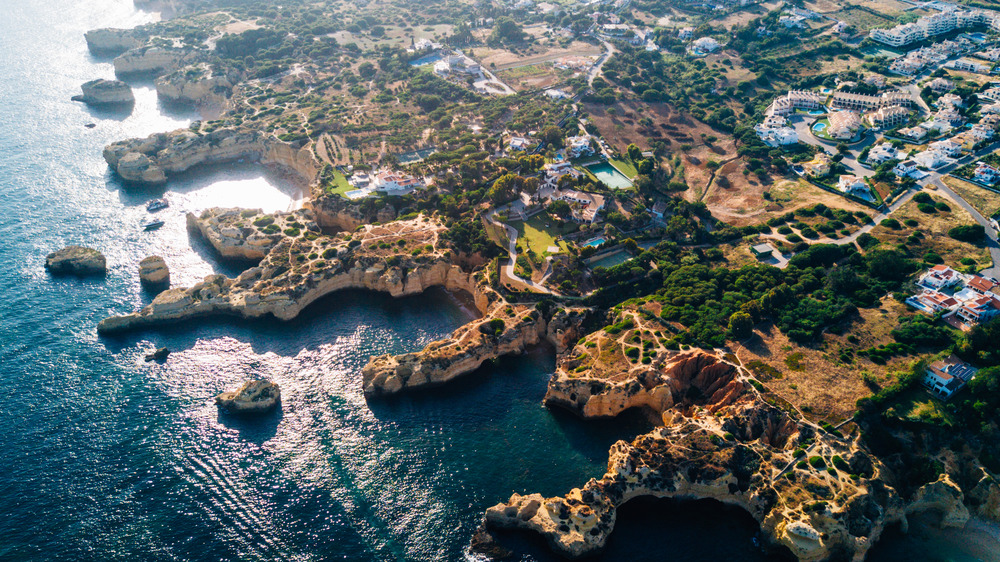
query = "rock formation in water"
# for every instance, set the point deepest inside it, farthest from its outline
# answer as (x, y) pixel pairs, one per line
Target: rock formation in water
(253, 397)
(194, 84)
(819, 495)
(76, 260)
(248, 234)
(152, 159)
(106, 92)
(153, 273)
(110, 41)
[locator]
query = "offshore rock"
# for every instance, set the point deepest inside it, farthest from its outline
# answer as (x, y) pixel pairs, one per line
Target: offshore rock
(106, 92)
(160, 354)
(254, 397)
(76, 260)
(153, 272)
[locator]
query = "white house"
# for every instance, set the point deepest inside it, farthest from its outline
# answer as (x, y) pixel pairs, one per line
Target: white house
(946, 146)
(396, 181)
(705, 44)
(882, 153)
(940, 277)
(931, 159)
(906, 168)
(518, 143)
(579, 146)
(945, 378)
(854, 185)
(986, 174)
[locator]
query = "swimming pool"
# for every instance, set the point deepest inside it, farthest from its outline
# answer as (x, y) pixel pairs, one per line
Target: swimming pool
(429, 59)
(594, 242)
(819, 127)
(816, 112)
(610, 175)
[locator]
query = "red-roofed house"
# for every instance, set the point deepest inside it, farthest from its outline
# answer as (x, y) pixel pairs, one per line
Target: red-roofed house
(945, 378)
(981, 284)
(936, 301)
(980, 309)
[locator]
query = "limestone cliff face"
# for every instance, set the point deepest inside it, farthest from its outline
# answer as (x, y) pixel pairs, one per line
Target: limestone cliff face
(248, 234)
(110, 41)
(506, 330)
(105, 92)
(152, 159)
(194, 84)
(304, 266)
(943, 496)
(342, 214)
(657, 386)
(722, 441)
(150, 60)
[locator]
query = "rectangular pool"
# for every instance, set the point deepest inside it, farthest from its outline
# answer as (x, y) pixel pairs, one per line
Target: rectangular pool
(609, 175)
(595, 242)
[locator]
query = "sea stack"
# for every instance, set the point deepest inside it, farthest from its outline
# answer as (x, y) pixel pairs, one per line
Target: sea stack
(76, 260)
(154, 274)
(254, 397)
(106, 92)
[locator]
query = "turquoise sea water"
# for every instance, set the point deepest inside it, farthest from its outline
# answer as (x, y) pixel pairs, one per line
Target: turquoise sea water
(106, 457)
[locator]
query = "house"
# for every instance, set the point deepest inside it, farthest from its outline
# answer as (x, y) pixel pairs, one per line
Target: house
(986, 174)
(518, 143)
(556, 170)
(950, 100)
(982, 285)
(840, 27)
(949, 115)
(659, 208)
(685, 34)
(934, 301)
(888, 117)
(946, 146)
(967, 65)
(844, 124)
(941, 85)
(979, 309)
(704, 45)
(946, 377)
(940, 277)
(761, 251)
(578, 147)
(819, 166)
(913, 133)
(882, 153)
(931, 159)
(396, 181)
(585, 206)
(778, 136)
(854, 185)
(556, 94)
(791, 21)
(906, 169)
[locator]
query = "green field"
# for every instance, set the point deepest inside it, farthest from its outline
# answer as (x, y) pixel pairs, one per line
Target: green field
(625, 167)
(340, 185)
(539, 237)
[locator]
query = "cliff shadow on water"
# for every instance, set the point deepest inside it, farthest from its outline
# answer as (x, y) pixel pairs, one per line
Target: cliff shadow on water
(336, 315)
(663, 530)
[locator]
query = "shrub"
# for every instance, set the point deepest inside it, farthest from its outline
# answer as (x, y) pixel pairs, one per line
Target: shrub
(971, 233)
(840, 463)
(801, 465)
(817, 462)
(292, 231)
(890, 223)
(263, 221)
(927, 208)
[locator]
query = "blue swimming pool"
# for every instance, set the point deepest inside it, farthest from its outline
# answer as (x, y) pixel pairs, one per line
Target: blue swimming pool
(819, 127)
(594, 242)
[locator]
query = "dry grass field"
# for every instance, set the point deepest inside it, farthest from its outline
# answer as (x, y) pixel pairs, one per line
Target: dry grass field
(983, 200)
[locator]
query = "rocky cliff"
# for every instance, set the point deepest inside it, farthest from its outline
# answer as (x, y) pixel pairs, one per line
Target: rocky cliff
(720, 441)
(400, 258)
(150, 60)
(253, 397)
(110, 41)
(194, 84)
(248, 234)
(76, 260)
(152, 159)
(105, 92)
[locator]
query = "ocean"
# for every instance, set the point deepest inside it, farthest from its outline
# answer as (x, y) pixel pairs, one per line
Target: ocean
(107, 457)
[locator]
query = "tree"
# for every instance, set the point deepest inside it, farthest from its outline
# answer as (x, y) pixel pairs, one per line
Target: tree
(971, 233)
(740, 325)
(634, 152)
(505, 31)
(504, 188)
(560, 208)
(366, 70)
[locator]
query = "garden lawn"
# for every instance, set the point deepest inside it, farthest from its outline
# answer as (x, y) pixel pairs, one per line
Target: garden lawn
(340, 185)
(539, 237)
(625, 167)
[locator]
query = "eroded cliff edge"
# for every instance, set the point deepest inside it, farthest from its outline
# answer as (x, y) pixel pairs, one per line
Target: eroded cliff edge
(819, 495)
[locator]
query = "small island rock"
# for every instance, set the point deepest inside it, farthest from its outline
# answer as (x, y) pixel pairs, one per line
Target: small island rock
(160, 354)
(76, 260)
(254, 397)
(105, 92)
(153, 272)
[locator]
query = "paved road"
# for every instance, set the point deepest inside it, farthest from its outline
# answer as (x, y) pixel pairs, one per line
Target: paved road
(991, 242)
(596, 69)
(508, 268)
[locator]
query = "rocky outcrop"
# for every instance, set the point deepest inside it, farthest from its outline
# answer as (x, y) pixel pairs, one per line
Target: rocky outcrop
(944, 497)
(153, 273)
(339, 213)
(248, 234)
(304, 266)
(720, 440)
(106, 92)
(152, 159)
(254, 397)
(110, 41)
(150, 60)
(194, 84)
(76, 260)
